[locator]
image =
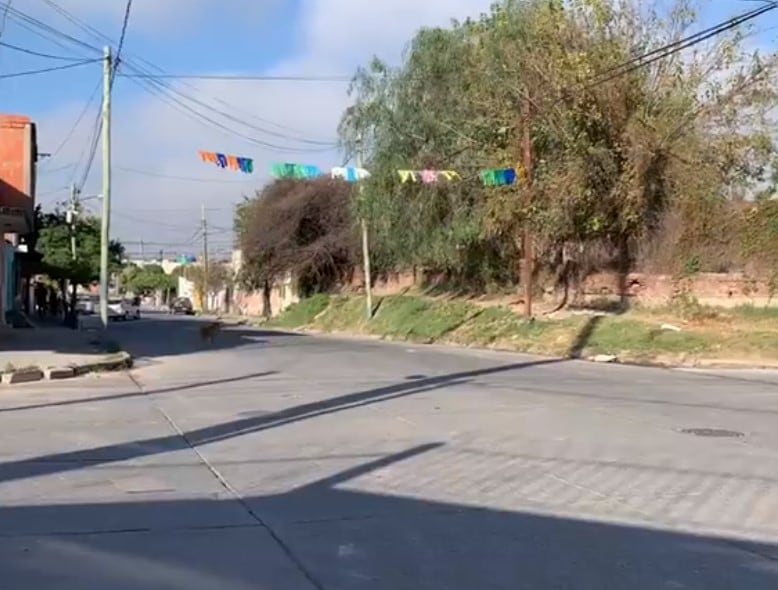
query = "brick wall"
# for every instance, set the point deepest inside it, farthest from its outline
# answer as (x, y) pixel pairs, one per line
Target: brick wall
(709, 288)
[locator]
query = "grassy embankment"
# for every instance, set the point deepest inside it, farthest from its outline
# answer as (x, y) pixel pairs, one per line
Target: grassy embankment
(746, 335)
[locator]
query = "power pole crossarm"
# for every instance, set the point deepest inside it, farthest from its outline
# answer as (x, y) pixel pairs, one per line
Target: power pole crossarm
(105, 227)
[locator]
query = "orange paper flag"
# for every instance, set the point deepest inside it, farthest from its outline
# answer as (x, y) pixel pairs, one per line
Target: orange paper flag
(208, 157)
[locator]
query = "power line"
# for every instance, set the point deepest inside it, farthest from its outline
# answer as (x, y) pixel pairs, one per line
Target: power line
(45, 36)
(81, 116)
(91, 148)
(243, 77)
(57, 169)
(4, 18)
(47, 70)
(24, 18)
(182, 178)
(98, 128)
(153, 222)
(125, 22)
(37, 53)
(156, 210)
(655, 55)
(163, 91)
(171, 96)
(177, 104)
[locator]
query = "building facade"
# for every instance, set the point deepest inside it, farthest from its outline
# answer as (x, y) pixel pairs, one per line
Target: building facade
(18, 161)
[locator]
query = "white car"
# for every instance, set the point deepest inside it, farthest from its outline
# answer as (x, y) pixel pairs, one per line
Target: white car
(86, 304)
(124, 309)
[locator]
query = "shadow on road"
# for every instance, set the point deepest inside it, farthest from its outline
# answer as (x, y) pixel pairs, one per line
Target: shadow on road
(155, 335)
(159, 335)
(74, 460)
(138, 393)
(323, 536)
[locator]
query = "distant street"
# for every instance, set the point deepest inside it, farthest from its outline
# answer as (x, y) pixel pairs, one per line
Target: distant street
(285, 462)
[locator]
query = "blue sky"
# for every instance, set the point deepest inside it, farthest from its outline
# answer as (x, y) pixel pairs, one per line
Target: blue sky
(309, 37)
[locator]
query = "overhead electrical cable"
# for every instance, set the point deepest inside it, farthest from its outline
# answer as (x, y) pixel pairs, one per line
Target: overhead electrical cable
(81, 116)
(38, 53)
(99, 122)
(48, 70)
(165, 88)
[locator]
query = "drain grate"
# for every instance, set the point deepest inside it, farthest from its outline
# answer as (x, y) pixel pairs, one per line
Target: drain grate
(713, 432)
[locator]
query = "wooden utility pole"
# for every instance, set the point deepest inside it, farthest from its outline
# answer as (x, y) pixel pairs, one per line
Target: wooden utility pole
(527, 162)
(205, 259)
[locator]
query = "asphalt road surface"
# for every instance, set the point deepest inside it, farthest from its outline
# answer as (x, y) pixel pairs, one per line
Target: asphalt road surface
(285, 462)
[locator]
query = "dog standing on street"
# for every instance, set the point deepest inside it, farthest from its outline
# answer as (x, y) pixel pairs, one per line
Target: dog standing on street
(209, 331)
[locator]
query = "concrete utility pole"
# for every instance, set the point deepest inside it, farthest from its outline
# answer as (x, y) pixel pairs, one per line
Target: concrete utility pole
(365, 241)
(205, 259)
(71, 219)
(527, 157)
(106, 219)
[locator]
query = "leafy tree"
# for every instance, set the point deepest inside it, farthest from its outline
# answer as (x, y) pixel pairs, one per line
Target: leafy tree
(305, 228)
(54, 244)
(219, 277)
(148, 280)
(613, 157)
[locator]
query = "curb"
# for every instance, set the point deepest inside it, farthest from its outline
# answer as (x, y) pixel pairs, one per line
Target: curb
(604, 359)
(114, 362)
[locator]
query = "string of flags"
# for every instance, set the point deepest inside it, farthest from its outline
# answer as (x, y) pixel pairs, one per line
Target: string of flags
(349, 174)
(489, 176)
(297, 171)
(427, 176)
(245, 165)
(499, 176)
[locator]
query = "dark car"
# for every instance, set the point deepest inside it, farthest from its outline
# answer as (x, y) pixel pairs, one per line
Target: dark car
(181, 305)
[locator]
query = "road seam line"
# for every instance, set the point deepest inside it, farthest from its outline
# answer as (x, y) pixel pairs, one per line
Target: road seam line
(237, 497)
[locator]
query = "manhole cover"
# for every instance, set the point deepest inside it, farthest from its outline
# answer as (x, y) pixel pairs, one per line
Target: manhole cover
(713, 432)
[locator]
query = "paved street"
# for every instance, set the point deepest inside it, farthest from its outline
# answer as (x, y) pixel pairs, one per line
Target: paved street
(287, 462)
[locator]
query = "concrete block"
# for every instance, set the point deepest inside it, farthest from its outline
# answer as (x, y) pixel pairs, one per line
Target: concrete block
(23, 376)
(604, 358)
(56, 373)
(115, 362)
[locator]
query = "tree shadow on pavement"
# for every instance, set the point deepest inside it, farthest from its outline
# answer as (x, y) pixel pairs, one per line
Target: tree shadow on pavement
(332, 534)
(157, 335)
(73, 460)
(138, 393)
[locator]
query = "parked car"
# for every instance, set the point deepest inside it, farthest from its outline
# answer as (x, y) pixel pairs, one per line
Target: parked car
(181, 305)
(124, 309)
(86, 304)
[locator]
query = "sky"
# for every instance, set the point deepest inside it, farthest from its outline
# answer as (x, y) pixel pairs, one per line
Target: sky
(159, 184)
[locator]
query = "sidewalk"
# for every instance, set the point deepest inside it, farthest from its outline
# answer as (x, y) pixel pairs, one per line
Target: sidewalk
(47, 346)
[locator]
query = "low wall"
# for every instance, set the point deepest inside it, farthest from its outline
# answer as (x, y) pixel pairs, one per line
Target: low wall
(282, 295)
(722, 290)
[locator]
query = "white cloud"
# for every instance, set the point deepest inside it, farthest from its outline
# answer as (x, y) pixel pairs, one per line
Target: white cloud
(168, 16)
(334, 36)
